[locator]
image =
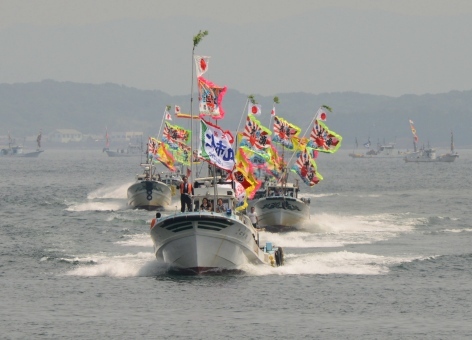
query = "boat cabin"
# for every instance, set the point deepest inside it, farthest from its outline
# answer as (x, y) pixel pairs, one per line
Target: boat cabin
(277, 189)
(204, 189)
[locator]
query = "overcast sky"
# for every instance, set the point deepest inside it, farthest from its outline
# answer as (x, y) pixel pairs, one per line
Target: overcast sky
(263, 47)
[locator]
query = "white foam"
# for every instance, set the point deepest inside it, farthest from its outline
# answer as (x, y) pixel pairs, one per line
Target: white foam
(129, 265)
(324, 263)
(138, 240)
(98, 206)
(465, 230)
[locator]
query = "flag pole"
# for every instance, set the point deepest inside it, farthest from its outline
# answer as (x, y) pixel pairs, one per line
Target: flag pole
(162, 121)
(196, 40)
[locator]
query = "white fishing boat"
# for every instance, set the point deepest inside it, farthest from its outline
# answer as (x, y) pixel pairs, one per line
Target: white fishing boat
(18, 151)
(149, 192)
(428, 154)
(216, 240)
(206, 242)
(385, 150)
(279, 208)
(450, 156)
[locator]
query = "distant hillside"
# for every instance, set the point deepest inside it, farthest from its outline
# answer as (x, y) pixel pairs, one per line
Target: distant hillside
(50, 105)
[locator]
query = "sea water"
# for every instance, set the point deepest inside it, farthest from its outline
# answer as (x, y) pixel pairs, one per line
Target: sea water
(386, 254)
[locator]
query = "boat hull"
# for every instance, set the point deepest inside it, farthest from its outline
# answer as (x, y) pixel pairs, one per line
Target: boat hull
(149, 195)
(32, 154)
(204, 243)
(281, 213)
(429, 156)
(449, 157)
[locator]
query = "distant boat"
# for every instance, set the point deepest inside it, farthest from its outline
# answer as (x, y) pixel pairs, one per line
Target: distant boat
(450, 156)
(131, 150)
(386, 150)
(428, 154)
(149, 192)
(17, 150)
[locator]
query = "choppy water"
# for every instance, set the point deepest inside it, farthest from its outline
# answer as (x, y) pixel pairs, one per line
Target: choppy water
(387, 254)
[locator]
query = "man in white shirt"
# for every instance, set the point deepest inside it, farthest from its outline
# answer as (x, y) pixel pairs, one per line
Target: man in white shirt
(253, 217)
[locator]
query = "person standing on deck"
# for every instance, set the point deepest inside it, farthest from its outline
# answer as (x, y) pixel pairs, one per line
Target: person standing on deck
(253, 217)
(186, 189)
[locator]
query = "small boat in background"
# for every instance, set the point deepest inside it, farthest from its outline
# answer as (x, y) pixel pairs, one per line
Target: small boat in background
(428, 154)
(17, 150)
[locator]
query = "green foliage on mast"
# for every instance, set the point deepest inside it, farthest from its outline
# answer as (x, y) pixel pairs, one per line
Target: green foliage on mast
(168, 107)
(251, 99)
(327, 108)
(197, 38)
(276, 100)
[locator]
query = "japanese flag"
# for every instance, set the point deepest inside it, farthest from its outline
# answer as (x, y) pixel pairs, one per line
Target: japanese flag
(321, 115)
(167, 115)
(272, 113)
(201, 64)
(177, 109)
(254, 109)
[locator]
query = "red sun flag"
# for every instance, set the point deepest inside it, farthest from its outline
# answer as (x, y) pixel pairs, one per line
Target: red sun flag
(203, 64)
(254, 109)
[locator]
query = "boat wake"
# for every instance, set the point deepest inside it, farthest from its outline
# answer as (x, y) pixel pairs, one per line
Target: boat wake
(103, 199)
(142, 264)
(98, 206)
(328, 230)
(328, 263)
(117, 191)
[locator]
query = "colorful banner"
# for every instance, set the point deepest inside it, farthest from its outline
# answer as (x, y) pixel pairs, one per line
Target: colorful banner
(210, 99)
(157, 152)
(216, 146)
(182, 154)
(173, 135)
(255, 137)
(306, 168)
(413, 131)
(284, 132)
(324, 140)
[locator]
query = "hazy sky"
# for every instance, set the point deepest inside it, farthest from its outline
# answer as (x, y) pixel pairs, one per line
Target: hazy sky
(261, 46)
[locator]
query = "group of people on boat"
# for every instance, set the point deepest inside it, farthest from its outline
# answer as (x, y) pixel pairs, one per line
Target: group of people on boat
(186, 193)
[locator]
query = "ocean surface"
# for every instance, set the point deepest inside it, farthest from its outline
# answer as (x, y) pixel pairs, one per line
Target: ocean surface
(386, 254)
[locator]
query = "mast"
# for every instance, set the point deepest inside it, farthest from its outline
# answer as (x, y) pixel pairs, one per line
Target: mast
(196, 40)
(452, 142)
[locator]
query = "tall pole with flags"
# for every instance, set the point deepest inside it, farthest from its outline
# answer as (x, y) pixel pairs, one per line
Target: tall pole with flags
(196, 40)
